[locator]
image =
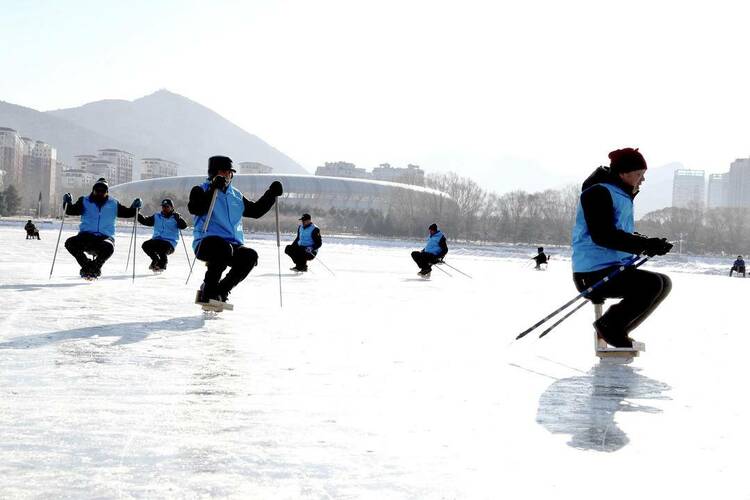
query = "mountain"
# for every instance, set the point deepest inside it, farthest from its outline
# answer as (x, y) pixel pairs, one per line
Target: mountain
(173, 127)
(163, 124)
(656, 191)
(69, 139)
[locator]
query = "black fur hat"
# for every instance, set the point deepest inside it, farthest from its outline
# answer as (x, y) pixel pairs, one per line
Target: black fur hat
(101, 183)
(216, 163)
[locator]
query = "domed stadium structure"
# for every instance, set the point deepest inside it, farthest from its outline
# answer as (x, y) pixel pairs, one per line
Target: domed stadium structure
(306, 192)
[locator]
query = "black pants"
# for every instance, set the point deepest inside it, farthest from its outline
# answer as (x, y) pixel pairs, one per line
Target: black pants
(641, 292)
(158, 251)
(219, 254)
(737, 269)
(424, 260)
(100, 247)
(32, 234)
(299, 255)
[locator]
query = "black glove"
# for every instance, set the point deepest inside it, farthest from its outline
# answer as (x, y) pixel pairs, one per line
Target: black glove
(137, 203)
(67, 199)
(276, 189)
(219, 182)
(657, 246)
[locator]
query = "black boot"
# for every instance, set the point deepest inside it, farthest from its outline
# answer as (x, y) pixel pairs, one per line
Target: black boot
(612, 336)
(207, 293)
(89, 272)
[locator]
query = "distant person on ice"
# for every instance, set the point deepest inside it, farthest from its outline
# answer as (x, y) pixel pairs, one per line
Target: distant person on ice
(31, 231)
(604, 238)
(96, 235)
(167, 225)
(540, 258)
(738, 266)
(305, 246)
(222, 245)
(433, 252)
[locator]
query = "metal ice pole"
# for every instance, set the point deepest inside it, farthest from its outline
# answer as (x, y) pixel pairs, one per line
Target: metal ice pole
(278, 251)
(58, 241)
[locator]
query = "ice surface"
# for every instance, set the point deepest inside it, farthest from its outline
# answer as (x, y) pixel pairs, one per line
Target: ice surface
(370, 384)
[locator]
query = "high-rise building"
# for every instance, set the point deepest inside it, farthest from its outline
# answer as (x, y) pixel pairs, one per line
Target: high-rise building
(122, 163)
(152, 168)
(689, 188)
(101, 168)
(412, 174)
(44, 157)
(82, 161)
(30, 166)
(76, 181)
(343, 169)
(718, 190)
(739, 183)
(39, 176)
(27, 146)
(11, 156)
(253, 167)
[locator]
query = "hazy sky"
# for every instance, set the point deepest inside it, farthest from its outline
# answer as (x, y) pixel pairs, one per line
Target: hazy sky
(514, 94)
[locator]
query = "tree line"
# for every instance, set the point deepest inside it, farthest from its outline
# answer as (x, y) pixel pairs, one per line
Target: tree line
(475, 214)
(701, 231)
(480, 215)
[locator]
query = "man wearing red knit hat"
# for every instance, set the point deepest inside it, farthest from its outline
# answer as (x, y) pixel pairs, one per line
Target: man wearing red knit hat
(604, 238)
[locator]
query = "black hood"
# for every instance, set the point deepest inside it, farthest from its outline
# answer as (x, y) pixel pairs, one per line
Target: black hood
(603, 175)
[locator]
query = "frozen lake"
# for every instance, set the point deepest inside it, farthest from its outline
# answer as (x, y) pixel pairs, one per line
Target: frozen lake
(368, 384)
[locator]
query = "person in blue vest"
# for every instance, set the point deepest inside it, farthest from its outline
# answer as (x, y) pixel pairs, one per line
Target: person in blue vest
(305, 246)
(604, 238)
(738, 266)
(433, 252)
(96, 233)
(167, 225)
(222, 244)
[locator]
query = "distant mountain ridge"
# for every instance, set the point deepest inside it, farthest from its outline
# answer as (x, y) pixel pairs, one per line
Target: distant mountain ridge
(69, 139)
(162, 124)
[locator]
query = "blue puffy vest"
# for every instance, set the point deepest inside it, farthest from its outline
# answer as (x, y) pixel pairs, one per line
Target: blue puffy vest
(165, 228)
(305, 235)
(99, 221)
(433, 244)
(587, 255)
(226, 219)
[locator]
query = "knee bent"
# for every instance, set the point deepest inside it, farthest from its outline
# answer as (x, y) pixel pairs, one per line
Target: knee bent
(252, 257)
(666, 284)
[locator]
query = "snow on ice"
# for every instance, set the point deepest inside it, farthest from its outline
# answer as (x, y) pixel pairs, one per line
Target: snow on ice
(368, 384)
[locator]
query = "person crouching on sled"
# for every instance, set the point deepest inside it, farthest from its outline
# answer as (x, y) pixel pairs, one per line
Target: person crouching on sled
(433, 252)
(305, 246)
(96, 235)
(604, 238)
(221, 245)
(167, 225)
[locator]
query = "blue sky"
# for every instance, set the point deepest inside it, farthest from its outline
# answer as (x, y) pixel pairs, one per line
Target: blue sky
(514, 94)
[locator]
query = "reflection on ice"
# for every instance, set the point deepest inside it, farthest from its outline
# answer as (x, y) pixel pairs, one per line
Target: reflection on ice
(585, 406)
